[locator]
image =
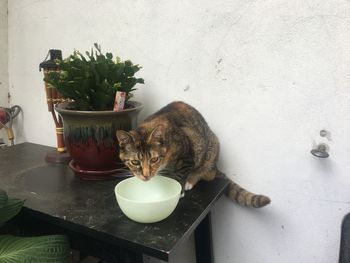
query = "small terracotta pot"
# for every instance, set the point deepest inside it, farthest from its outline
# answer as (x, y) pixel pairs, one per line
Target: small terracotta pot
(90, 138)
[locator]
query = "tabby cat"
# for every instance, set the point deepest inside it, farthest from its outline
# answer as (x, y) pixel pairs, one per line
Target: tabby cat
(177, 142)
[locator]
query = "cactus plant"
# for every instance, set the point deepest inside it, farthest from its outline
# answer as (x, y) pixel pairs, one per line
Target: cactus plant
(93, 80)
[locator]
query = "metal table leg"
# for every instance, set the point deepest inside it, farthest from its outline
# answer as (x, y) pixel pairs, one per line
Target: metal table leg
(204, 242)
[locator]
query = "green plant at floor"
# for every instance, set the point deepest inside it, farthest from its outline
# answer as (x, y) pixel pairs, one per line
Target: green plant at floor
(93, 81)
(43, 249)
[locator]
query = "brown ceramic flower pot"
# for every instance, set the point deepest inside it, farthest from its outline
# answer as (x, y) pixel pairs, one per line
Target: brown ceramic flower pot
(90, 138)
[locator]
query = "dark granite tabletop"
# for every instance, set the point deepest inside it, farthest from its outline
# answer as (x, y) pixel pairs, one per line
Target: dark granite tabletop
(53, 193)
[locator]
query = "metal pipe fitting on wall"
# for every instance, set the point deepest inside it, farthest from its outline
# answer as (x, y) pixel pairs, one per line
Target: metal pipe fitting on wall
(321, 150)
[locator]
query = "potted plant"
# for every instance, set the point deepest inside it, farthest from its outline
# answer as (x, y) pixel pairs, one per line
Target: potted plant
(90, 83)
(53, 248)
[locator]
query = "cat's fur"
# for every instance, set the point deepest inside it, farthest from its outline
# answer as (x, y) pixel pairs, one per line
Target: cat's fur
(176, 141)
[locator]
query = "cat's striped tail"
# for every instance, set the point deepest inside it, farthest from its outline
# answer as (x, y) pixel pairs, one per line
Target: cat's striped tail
(246, 198)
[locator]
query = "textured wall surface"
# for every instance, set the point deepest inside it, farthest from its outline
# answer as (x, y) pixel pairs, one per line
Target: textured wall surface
(266, 75)
(4, 87)
(3, 54)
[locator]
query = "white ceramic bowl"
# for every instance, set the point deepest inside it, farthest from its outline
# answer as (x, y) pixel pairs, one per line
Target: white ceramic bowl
(150, 201)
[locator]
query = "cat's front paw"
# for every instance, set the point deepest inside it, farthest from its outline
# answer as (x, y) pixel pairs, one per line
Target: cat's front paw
(188, 186)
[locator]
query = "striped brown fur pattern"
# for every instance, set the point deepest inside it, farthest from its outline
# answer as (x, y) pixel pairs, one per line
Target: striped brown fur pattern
(177, 142)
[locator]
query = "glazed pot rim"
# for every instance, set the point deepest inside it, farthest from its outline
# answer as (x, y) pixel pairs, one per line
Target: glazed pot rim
(62, 108)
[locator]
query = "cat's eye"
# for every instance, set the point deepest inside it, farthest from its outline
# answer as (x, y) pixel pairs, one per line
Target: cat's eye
(135, 162)
(154, 159)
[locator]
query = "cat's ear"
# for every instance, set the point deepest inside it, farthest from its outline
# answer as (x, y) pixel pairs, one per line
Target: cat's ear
(124, 138)
(157, 135)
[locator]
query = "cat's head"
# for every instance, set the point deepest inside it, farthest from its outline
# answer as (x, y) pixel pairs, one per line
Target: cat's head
(144, 153)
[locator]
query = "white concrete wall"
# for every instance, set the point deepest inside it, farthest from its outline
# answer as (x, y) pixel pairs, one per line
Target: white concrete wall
(3, 54)
(4, 88)
(267, 76)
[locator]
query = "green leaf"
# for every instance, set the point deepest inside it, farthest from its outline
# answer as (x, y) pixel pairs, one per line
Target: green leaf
(140, 80)
(128, 63)
(3, 198)
(10, 209)
(44, 249)
(129, 71)
(98, 47)
(136, 68)
(109, 55)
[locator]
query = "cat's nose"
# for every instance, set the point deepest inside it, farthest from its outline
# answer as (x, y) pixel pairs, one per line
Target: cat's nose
(147, 176)
(144, 178)
(146, 173)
